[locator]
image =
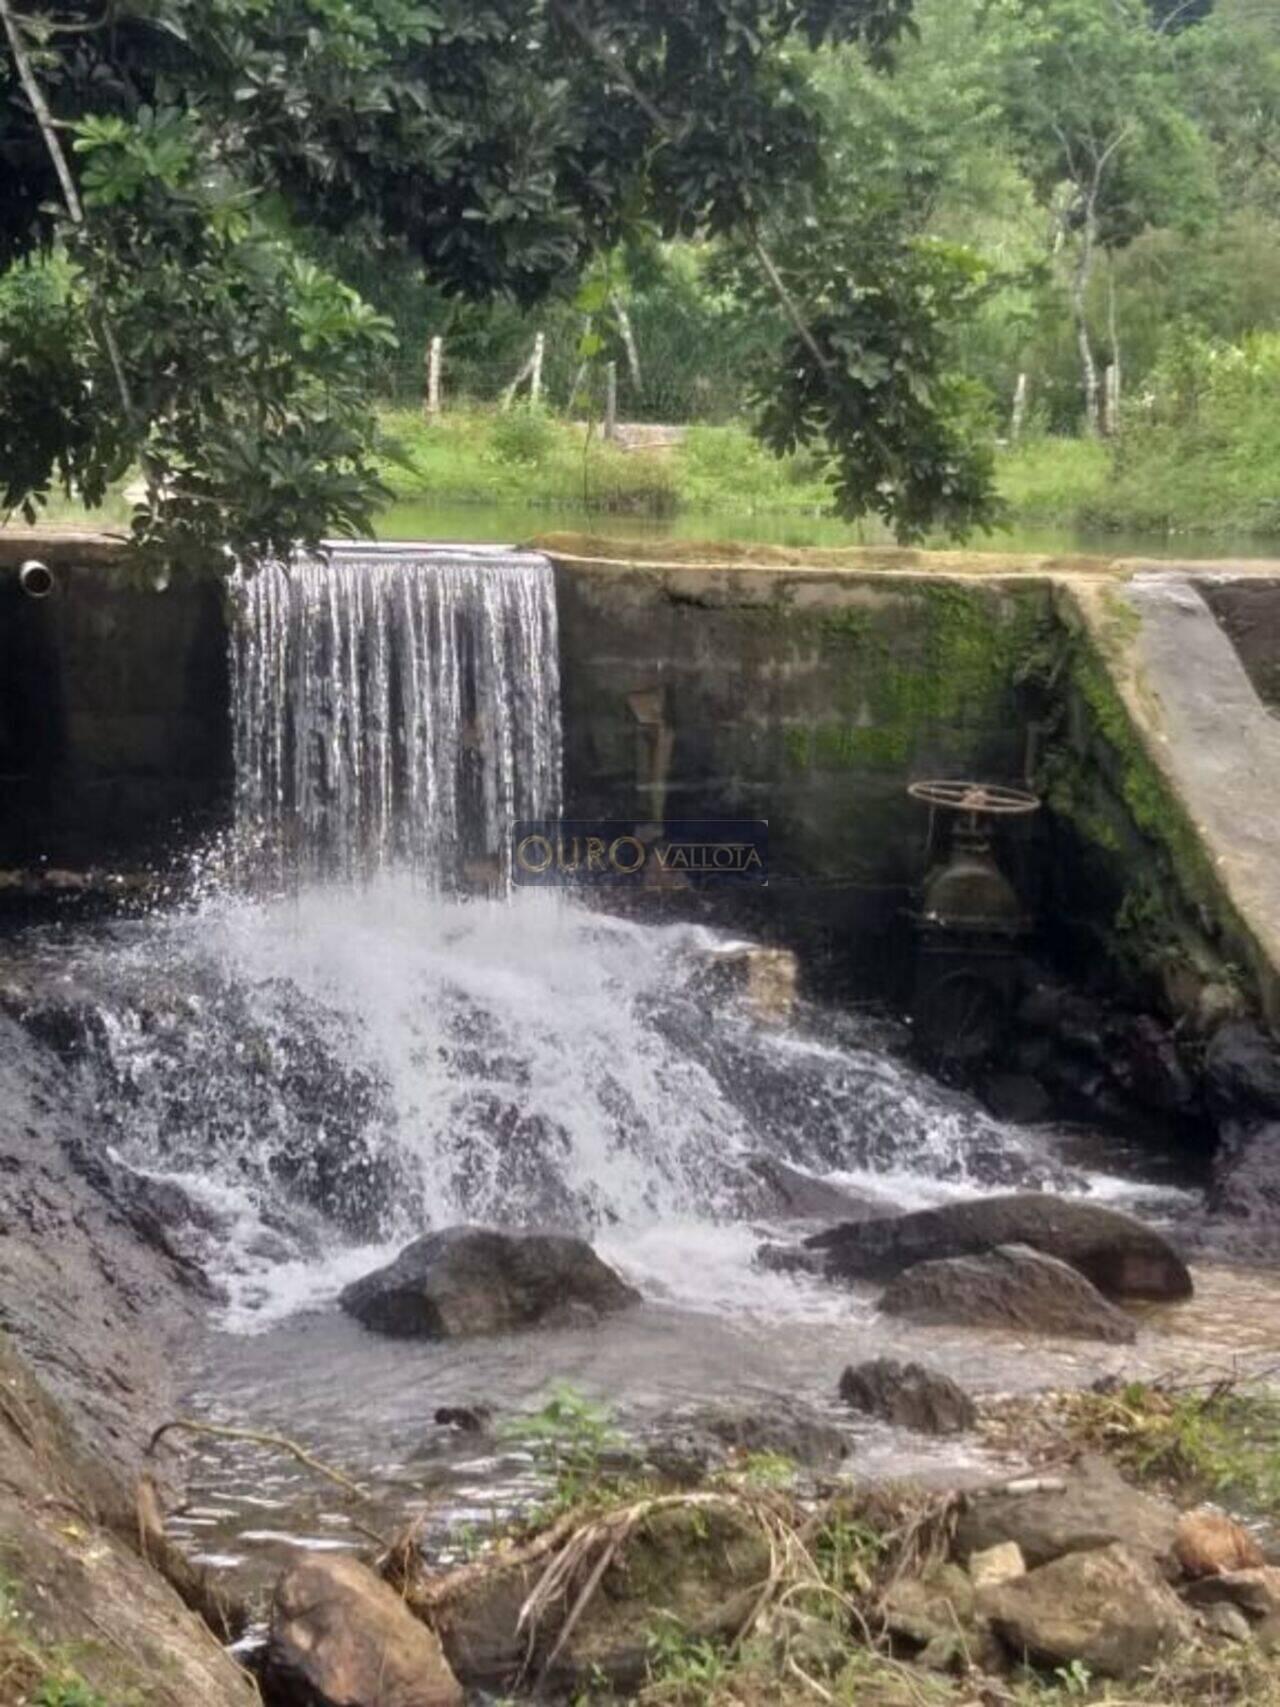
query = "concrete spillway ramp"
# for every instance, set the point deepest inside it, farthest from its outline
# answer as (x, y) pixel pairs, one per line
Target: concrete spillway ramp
(1197, 716)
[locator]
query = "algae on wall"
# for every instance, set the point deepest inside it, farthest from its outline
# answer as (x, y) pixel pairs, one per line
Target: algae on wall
(808, 697)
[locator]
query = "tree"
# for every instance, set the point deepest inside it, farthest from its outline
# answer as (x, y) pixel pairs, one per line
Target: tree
(1090, 92)
(1230, 71)
(171, 154)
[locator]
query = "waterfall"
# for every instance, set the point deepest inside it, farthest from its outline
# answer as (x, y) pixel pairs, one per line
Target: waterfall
(310, 1074)
(396, 705)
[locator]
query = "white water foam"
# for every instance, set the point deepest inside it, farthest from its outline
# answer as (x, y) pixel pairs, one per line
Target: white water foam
(329, 1073)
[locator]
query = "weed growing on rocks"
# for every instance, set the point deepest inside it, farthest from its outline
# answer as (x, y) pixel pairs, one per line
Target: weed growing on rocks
(568, 1438)
(1223, 1441)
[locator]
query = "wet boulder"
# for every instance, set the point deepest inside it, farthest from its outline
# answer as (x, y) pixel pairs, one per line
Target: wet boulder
(1242, 1073)
(1018, 1098)
(1106, 1609)
(1245, 1189)
(696, 1441)
(768, 1186)
(1012, 1286)
(1087, 1506)
(1144, 1060)
(341, 1638)
(909, 1396)
(1123, 1258)
(476, 1280)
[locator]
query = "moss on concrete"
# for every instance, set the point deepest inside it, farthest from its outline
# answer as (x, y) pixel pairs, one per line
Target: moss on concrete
(1172, 913)
(942, 662)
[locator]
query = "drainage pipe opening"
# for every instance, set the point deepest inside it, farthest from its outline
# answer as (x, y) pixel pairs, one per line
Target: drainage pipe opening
(36, 579)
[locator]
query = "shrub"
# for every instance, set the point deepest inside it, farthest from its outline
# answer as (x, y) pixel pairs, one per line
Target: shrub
(524, 434)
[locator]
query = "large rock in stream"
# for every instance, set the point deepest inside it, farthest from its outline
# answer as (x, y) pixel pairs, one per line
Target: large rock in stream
(1242, 1073)
(1119, 1255)
(1245, 1189)
(908, 1395)
(1010, 1287)
(1242, 1080)
(475, 1280)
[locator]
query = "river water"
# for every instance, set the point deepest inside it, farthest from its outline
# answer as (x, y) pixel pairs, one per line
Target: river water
(431, 518)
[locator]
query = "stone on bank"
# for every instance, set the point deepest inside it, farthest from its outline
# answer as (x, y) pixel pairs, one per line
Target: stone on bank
(1107, 1609)
(341, 1638)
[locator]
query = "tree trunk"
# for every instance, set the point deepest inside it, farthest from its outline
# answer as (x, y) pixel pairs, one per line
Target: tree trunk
(629, 344)
(509, 395)
(1080, 315)
(1115, 372)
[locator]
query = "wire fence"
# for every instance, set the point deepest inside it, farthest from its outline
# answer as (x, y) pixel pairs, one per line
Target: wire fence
(652, 390)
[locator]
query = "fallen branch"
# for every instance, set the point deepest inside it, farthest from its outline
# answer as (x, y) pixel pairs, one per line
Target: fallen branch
(275, 1442)
(203, 1593)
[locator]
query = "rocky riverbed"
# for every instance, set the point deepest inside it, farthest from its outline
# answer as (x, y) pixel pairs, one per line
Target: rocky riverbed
(519, 1400)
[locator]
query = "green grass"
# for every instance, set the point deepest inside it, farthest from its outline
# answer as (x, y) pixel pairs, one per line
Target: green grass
(33, 1674)
(527, 456)
(1218, 473)
(1223, 1443)
(1223, 476)
(1052, 479)
(1199, 453)
(522, 456)
(568, 1438)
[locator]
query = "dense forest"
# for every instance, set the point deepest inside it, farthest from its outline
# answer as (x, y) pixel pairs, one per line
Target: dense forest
(1110, 178)
(928, 263)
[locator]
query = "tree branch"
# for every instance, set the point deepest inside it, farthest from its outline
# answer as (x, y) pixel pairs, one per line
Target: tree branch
(40, 108)
(70, 194)
(768, 266)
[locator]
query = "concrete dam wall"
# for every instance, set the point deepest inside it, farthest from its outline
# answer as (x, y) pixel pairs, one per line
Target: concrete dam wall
(805, 688)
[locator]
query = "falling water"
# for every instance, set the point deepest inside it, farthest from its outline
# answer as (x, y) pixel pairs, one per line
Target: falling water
(396, 705)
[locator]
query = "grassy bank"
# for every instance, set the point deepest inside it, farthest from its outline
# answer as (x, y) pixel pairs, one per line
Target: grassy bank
(1213, 472)
(1205, 467)
(487, 456)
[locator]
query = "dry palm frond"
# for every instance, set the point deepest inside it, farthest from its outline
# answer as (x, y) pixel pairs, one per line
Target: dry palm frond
(574, 1574)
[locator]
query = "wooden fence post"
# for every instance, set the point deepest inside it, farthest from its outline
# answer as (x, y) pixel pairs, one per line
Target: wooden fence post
(611, 401)
(434, 352)
(1019, 409)
(535, 378)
